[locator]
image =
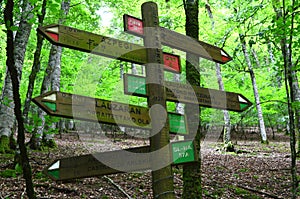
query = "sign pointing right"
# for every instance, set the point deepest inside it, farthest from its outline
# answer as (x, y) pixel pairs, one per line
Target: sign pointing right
(185, 93)
(176, 40)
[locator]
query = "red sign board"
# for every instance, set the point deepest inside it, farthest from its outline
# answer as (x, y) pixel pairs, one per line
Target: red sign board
(172, 62)
(133, 25)
(176, 40)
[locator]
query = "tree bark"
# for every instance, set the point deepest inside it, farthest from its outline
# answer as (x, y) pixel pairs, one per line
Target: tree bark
(7, 117)
(192, 187)
(272, 63)
(36, 63)
(51, 79)
(227, 127)
(162, 175)
(291, 81)
(255, 90)
(255, 57)
(226, 133)
(11, 63)
(133, 69)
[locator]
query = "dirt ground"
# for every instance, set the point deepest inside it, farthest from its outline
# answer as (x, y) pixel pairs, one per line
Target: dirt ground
(255, 171)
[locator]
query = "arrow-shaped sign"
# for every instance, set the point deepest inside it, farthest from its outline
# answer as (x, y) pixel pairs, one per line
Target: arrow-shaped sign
(185, 93)
(179, 41)
(101, 45)
(98, 110)
(92, 43)
(111, 162)
(99, 164)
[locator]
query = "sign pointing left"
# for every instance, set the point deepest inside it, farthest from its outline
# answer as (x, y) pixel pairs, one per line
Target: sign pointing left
(101, 45)
(104, 111)
(93, 109)
(119, 161)
(97, 44)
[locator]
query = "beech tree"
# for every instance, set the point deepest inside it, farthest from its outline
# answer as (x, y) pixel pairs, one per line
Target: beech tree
(255, 90)
(7, 118)
(285, 32)
(51, 80)
(228, 146)
(36, 63)
(12, 65)
(192, 172)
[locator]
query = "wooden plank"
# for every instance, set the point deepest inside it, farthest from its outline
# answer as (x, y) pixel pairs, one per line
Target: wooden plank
(162, 175)
(112, 162)
(98, 164)
(92, 43)
(104, 111)
(184, 93)
(101, 45)
(179, 41)
(93, 109)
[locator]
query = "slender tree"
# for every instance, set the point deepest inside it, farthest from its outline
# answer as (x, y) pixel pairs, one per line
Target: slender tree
(7, 118)
(51, 80)
(228, 146)
(36, 62)
(285, 13)
(255, 90)
(192, 173)
(15, 79)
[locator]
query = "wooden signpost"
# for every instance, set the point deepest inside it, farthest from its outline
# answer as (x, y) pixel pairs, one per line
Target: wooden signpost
(112, 162)
(162, 175)
(184, 93)
(101, 45)
(98, 110)
(176, 40)
(161, 154)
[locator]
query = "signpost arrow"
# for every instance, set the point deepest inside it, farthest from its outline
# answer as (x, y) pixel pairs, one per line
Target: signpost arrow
(111, 162)
(98, 110)
(176, 40)
(184, 93)
(92, 43)
(99, 164)
(101, 45)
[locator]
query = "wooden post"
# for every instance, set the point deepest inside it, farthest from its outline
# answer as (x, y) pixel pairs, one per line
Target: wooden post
(162, 176)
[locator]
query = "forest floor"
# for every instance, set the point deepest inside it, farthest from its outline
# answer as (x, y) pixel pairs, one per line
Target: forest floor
(255, 171)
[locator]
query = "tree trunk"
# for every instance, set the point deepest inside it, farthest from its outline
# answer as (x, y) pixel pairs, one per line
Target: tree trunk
(277, 69)
(227, 128)
(192, 172)
(255, 57)
(291, 81)
(36, 63)
(179, 106)
(7, 117)
(51, 78)
(226, 133)
(133, 69)
(14, 72)
(255, 90)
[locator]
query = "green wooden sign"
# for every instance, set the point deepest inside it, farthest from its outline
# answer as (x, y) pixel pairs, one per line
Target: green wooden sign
(135, 84)
(177, 123)
(104, 111)
(183, 152)
(184, 93)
